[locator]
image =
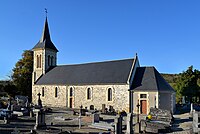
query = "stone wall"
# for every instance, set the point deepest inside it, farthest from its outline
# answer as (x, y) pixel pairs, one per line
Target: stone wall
(49, 98)
(167, 101)
(37, 72)
(120, 97)
(99, 96)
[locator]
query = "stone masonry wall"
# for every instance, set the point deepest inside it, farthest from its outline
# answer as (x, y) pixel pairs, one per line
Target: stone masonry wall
(120, 97)
(49, 98)
(37, 71)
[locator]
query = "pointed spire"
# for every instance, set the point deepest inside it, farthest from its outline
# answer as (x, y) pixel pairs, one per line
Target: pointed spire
(45, 40)
(45, 33)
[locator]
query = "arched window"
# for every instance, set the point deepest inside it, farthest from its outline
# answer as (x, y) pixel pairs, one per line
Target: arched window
(52, 61)
(89, 93)
(71, 92)
(49, 60)
(42, 91)
(37, 61)
(40, 61)
(109, 94)
(56, 92)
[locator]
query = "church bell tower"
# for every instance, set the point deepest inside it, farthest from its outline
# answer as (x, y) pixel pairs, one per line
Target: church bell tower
(44, 54)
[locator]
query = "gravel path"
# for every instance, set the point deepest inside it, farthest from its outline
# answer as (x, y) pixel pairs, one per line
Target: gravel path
(182, 124)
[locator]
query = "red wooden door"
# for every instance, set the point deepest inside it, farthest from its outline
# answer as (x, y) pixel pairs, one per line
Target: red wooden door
(143, 107)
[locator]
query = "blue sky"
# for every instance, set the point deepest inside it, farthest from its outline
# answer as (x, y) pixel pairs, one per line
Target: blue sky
(164, 33)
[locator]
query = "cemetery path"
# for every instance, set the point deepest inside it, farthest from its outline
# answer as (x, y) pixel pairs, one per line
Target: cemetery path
(182, 124)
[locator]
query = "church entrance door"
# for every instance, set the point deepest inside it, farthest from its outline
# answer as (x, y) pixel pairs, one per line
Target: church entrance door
(143, 104)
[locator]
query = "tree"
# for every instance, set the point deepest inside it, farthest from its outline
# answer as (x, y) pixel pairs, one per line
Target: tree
(22, 73)
(8, 89)
(187, 84)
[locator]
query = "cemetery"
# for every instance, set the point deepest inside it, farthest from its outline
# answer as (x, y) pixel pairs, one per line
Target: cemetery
(23, 117)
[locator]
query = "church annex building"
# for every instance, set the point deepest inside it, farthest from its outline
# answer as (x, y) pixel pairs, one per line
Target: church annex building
(121, 84)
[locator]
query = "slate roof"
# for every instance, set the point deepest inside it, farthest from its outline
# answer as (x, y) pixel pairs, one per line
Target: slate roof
(90, 73)
(149, 79)
(45, 41)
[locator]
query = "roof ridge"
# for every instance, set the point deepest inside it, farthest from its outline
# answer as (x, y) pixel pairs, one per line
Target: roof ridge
(97, 62)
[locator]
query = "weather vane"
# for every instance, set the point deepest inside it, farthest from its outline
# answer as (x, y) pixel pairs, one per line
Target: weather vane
(46, 11)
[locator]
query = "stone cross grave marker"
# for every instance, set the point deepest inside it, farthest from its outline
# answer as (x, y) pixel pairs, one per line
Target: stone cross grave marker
(39, 101)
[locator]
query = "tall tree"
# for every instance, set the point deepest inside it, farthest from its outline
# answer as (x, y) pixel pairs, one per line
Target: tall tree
(22, 73)
(187, 84)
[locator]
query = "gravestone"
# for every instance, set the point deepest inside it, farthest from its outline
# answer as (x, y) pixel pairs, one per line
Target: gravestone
(79, 121)
(40, 115)
(31, 113)
(17, 101)
(40, 119)
(95, 118)
(6, 120)
(11, 108)
(103, 108)
(26, 104)
(183, 100)
(118, 124)
(91, 107)
(9, 104)
(137, 128)
(111, 109)
(129, 123)
(39, 101)
(161, 115)
(191, 109)
(195, 122)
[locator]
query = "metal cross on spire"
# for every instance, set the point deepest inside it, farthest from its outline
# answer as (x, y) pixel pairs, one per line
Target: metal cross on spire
(46, 11)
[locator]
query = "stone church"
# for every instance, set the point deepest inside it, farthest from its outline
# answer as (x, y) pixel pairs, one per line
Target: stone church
(122, 84)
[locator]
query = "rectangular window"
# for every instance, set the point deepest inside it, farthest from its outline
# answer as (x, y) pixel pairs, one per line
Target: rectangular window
(143, 95)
